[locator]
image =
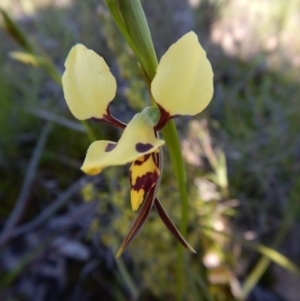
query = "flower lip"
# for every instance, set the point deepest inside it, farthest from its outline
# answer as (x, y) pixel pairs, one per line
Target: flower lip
(143, 175)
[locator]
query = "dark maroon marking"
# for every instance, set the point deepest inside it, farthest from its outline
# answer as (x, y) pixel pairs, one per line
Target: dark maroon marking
(113, 121)
(164, 118)
(141, 162)
(141, 147)
(108, 118)
(144, 182)
(110, 147)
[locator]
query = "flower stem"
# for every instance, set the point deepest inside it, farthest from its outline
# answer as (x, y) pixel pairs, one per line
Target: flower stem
(173, 144)
(174, 149)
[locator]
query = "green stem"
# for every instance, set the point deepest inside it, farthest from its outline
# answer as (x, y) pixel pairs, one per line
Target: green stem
(174, 149)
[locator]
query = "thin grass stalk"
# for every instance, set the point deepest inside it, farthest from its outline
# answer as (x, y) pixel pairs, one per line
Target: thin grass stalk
(127, 278)
(27, 183)
(49, 211)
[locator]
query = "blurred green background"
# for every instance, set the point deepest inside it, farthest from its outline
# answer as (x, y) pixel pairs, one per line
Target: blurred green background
(61, 229)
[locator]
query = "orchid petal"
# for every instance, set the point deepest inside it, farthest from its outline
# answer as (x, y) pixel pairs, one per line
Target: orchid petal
(88, 84)
(138, 139)
(183, 84)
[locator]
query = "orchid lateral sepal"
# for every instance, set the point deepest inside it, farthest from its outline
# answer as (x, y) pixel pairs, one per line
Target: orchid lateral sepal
(138, 222)
(170, 225)
(142, 217)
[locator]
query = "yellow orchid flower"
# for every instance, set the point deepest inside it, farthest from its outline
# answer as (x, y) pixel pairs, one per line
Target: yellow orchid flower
(183, 85)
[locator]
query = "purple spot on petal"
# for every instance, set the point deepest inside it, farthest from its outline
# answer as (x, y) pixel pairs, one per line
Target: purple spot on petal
(141, 147)
(110, 147)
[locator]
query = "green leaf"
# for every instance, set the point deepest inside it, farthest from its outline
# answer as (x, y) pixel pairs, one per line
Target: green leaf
(131, 21)
(15, 32)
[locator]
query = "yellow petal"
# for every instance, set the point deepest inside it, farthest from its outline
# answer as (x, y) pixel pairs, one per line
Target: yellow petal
(88, 84)
(137, 140)
(144, 173)
(183, 84)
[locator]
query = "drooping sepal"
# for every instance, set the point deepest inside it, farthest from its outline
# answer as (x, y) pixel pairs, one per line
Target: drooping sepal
(88, 84)
(138, 222)
(143, 175)
(183, 84)
(138, 139)
(170, 225)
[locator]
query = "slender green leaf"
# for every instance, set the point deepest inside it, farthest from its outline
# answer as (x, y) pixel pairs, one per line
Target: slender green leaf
(15, 32)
